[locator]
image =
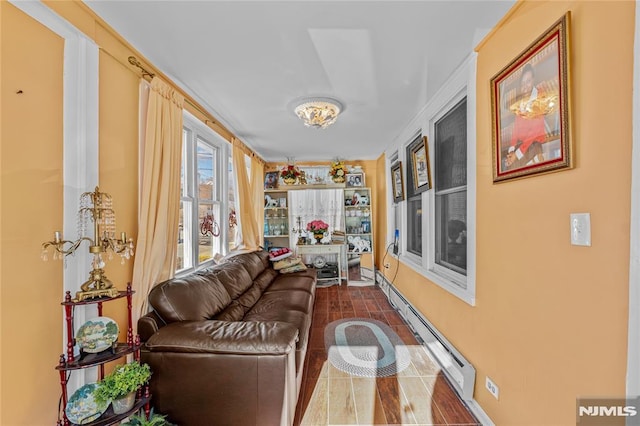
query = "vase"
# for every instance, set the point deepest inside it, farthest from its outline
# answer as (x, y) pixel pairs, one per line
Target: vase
(338, 179)
(289, 180)
(318, 236)
(124, 404)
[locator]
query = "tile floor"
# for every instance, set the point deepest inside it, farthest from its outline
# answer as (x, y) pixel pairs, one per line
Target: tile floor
(418, 395)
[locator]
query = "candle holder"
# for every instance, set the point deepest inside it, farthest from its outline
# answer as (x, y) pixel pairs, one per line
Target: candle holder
(95, 207)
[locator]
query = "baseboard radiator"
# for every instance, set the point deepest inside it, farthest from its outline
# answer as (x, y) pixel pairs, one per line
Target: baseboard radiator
(458, 370)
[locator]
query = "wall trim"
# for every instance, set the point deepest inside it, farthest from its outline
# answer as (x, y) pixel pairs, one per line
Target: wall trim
(633, 346)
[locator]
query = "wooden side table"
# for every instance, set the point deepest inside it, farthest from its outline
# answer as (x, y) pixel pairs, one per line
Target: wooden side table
(320, 249)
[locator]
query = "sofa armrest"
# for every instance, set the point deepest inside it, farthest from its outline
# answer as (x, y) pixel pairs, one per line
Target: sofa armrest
(148, 325)
(225, 337)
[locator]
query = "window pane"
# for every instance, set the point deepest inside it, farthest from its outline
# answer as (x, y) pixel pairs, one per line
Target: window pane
(451, 148)
(205, 176)
(183, 169)
(208, 231)
(185, 236)
(414, 225)
(451, 231)
(233, 220)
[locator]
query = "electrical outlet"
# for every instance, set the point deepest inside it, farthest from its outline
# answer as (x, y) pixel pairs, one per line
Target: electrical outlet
(492, 387)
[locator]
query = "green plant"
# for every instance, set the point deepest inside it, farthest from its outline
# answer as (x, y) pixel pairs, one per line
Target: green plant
(154, 420)
(123, 380)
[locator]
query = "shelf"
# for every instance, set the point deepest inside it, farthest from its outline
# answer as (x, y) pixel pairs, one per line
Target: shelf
(109, 418)
(91, 360)
(360, 234)
(283, 188)
(276, 236)
(96, 300)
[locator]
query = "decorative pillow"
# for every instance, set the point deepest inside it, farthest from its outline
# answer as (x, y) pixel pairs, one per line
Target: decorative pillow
(286, 263)
(295, 268)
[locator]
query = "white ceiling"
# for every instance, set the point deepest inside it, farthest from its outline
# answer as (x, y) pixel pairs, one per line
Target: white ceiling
(247, 61)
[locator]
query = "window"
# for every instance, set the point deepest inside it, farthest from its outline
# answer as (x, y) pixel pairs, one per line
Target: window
(414, 205)
(450, 142)
(439, 224)
(202, 180)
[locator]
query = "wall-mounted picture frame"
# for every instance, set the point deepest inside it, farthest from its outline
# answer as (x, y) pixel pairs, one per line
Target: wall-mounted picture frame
(270, 180)
(530, 109)
(420, 168)
(397, 182)
(354, 180)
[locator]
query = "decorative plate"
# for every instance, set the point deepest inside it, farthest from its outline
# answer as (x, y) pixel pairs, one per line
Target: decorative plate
(82, 408)
(97, 334)
(319, 262)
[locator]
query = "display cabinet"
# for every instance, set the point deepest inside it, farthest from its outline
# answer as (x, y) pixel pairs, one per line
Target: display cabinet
(359, 236)
(276, 219)
(70, 362)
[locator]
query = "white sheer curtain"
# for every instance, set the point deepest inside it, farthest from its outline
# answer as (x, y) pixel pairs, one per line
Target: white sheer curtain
(313, 204)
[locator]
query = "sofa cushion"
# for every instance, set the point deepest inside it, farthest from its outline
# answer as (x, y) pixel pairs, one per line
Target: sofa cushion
(250, 261)
(233, 312)
(232, 275)
(192, 298)
(265, 278)
(298, 281)
(276, 301)
(263, 255)
(250, 297)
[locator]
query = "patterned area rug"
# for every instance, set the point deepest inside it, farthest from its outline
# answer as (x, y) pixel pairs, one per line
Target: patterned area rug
(365, 347)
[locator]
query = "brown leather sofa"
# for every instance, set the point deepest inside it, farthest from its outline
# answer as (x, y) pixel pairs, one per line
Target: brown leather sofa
(226, 345)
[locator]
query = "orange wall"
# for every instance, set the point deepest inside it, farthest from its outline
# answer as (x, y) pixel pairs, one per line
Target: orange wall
(550, 321)
(31, 195)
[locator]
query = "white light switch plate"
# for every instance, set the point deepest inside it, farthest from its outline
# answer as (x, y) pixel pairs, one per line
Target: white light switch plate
(580, 229)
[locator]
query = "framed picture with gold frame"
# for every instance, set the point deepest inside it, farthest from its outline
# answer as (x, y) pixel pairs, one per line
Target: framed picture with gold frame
(421, 171)
(530, 108)
(397, 182)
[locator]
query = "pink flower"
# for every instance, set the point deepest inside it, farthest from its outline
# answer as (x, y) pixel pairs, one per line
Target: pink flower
(317, 226)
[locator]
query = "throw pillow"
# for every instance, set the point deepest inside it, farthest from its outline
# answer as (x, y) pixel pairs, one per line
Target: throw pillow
(295, 268)
(286, 263)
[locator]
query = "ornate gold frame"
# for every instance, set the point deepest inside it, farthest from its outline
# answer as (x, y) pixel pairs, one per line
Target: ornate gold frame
(531, 133)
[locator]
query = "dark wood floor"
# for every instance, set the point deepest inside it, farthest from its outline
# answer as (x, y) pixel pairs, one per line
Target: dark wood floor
(418, 395)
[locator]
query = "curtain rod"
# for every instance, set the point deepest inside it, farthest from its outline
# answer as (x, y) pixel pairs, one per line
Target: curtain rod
(145, 73)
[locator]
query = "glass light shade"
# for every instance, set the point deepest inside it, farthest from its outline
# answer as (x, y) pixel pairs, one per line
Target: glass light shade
(318, 113)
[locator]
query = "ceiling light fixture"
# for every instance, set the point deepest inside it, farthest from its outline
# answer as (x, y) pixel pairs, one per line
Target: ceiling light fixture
(318, 113)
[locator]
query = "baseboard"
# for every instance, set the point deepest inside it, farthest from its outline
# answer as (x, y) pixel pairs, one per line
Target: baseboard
(477, 411)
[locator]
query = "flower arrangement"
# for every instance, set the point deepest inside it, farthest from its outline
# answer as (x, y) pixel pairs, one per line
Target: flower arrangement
(337, 171)
(289, 172)
(317, 226)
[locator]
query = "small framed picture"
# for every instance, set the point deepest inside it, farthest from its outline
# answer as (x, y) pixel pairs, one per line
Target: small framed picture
(271, 180)
(397, 182)
(420, 165)
(355, 180)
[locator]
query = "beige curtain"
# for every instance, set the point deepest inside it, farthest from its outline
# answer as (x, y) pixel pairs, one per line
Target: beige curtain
(250, 198)
(257, 186)
(159, 210)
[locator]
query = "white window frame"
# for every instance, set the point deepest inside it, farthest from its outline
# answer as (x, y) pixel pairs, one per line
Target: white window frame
(204, 134)
(462, 83)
